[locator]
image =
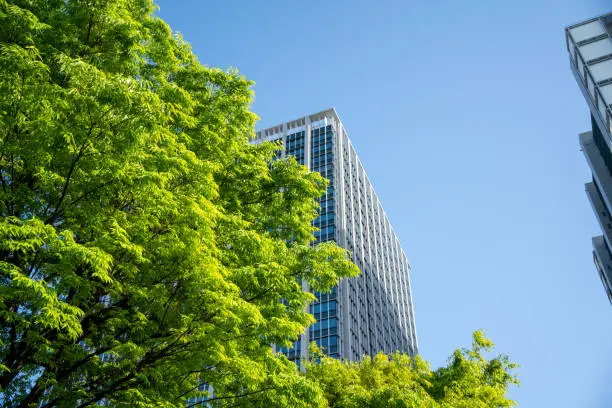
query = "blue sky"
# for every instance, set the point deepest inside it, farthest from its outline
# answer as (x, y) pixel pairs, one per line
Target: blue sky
(466, 116)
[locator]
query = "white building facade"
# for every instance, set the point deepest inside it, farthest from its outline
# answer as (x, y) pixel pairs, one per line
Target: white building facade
(373, 312)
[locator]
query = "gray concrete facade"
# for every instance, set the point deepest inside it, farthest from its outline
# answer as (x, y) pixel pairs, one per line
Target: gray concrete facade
(589, 44)
(373, 312)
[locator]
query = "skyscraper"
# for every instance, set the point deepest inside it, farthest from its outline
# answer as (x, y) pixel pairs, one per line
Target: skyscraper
(372, 312)
(589, 44)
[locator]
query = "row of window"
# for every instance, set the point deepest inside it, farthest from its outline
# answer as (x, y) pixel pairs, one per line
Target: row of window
(321, 147)
(327, 204)
(323, 307)
(295, 136)
(325, 169)
(317, 160)
(293, 151)
(289, 147)
(325, 217)
(326, 231)
(322, 129)
(323, 154)
(320, 160)
(323, 327)
(328, 344)
(321, 139)
(325, 296)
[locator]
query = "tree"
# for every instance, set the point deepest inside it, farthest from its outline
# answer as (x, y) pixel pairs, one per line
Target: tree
(469, 381)
(145, 245)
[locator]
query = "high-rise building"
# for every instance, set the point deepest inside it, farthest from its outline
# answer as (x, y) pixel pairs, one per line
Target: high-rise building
(373, 312)
(589, 44)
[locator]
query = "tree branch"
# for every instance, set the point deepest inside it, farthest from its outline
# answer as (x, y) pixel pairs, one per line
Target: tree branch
(75, 159)
(246, 394)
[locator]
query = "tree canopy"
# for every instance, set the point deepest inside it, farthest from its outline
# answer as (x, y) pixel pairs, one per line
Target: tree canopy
(470, 380)
(146, 247)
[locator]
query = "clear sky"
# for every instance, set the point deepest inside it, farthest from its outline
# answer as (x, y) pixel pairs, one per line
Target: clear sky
(465, 115)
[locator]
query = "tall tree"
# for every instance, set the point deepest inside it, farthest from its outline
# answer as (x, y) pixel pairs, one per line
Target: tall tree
(145, 245)
(470, 380)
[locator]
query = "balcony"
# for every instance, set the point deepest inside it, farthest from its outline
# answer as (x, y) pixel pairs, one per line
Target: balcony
(596, 162)
(590, 47)
(603, 263)
(600, 209)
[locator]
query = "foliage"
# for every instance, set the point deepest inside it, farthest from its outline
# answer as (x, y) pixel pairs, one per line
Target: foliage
(469, 380)
(145, 245)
